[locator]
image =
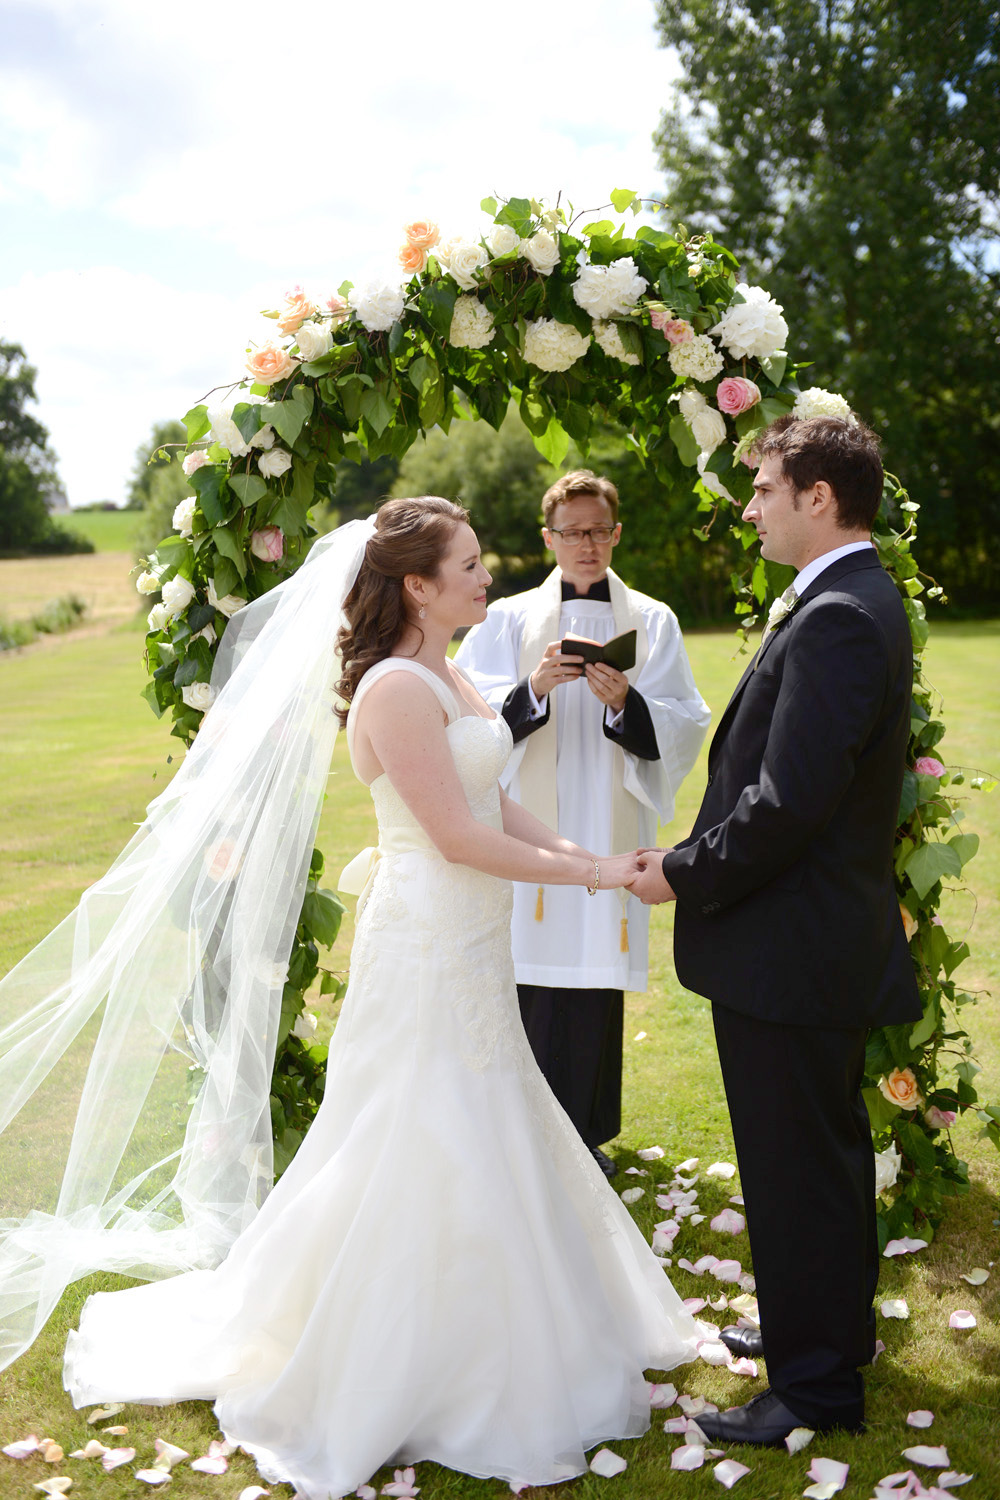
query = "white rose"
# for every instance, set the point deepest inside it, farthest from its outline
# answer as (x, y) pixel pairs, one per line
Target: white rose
(709, 428)
(462, 259)
(314, 340)
(263, 437)
(608, 336)
(502, 239)
(177, 595)
(541, 252)
(698, 359)
(227, 605)
(691, 403)
(159, 617)
(274, 463)
(183, 520)
(471, 324)
(603, 290)
(887, 1165)
(305, 1026)
(712, 482)
(198, 695)
(753, 328)
(815, 402)
(206, 634)
(195, 460)
(378, 305)
(147, 583)
(226, 432)
(549, 345)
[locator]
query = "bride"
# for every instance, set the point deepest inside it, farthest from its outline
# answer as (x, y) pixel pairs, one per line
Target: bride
(443, 1272)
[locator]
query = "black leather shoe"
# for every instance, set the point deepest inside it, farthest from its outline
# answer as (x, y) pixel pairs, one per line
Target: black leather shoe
(745, 1343)
(607, 1166)
(765, 1421)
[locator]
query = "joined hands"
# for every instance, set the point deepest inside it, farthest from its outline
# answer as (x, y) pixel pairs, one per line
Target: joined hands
(640, 872)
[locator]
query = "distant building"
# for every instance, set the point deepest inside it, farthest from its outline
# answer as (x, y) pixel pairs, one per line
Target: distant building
(55, 500)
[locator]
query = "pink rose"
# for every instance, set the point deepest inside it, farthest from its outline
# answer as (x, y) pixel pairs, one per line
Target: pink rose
(268, 544)
(678, 331)
(338, 307)
(270, 363)
(940, 1119)
(422, 234)
(195, 460)
(928, 766)
(295, 311)
(736, 394)
(412, 258)
(660, 316)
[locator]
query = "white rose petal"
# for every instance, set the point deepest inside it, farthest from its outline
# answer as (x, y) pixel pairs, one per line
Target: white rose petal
(753, 328)
(158, 617)
(951, 1478)
(931, 1458)
(799, 1438)
(887, 1165)
(688, 1456)
(314, 340)
(729, 1471)
(263, 437)
(962, 1318)
(632, 1195)
(147, 583)
(225, 430)
(724, 1169)
(709, 429)
(905, 1246)
(919, 1418)
(305, 1026)
(650, 1153)
(541, 252)
(183, 518)
(471, 324)
(228, 604)
(177, 595)
(976, 1276)
(607, 1464)
(691, 402)
(815, 402)
(462, 258)
(549, 345)
(199, 695)
(711, 480)
(502, 239)
(895, 1307)
(378, 305)
(274, 463)
(698, 359)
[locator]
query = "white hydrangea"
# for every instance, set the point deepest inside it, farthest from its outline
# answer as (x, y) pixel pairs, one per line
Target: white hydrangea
(608, 336)
(709, 429)
(698, 359)
(378, 305)
(541, 252)
(177, 595)
(503, 239)
(314, 340)
(815, 402)
(183, 520)
(604, 290)
(471, 324)
(753, 328)
(691, 403)
(549, 345)
(147, 583)
(274, 463)
(462, 259)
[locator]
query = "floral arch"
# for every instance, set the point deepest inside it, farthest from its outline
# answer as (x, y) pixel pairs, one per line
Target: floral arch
(570, 319)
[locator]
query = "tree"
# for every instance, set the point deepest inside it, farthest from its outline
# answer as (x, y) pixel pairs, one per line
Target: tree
(848, 151)
(150, 458)
(27, 466)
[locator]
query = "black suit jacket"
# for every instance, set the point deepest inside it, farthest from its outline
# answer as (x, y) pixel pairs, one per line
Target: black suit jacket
(786, 906)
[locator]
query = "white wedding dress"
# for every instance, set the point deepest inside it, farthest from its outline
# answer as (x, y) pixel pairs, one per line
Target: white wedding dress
(443, 1272)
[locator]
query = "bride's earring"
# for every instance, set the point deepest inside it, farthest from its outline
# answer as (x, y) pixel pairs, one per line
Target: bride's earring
(422, 613)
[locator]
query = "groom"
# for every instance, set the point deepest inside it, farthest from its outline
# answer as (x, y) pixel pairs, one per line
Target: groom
(787, 919)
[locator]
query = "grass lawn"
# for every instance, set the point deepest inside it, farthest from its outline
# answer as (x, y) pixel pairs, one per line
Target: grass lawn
(79, 753)
(109, 530)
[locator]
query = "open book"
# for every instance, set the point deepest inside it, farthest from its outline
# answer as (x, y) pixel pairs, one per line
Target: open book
(618, 652)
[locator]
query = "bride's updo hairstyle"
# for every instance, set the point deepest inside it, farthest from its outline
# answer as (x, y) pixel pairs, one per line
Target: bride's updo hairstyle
(411, 536)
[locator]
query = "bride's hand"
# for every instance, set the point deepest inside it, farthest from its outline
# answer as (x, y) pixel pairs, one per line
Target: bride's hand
(617, 870)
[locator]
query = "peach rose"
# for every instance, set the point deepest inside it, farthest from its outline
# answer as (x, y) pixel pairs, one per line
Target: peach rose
(270, 363)
(901, 1088)
(295, 311)
(909, 921)
(422, 234)
(735, 394)
(412, 258)
(678, 331)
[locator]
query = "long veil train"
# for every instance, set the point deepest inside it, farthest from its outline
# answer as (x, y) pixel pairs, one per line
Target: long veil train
(171, 970)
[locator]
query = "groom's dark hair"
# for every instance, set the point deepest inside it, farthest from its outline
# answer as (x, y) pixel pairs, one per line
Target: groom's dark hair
(841, 451)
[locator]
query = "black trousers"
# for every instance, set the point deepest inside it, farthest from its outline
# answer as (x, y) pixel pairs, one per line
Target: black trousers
(807, 1168)
(576, 1036)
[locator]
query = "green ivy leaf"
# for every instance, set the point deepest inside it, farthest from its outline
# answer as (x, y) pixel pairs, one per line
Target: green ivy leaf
(881, 1112)
(965, 845)
(437, 303)
(211, 485)
(286, 417)
(247, 416)
(196, 422)
(322, 912)
(930, 863)
(225, 576)
(376, 410)
(622, 199)
(774, 367)
(488, 206)
(553, 443)
(248, 487)
(684, 441)
(227, 544)
(517, 213)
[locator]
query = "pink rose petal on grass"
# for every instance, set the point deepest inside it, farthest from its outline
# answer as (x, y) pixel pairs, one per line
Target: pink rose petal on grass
(23, 1447)
(829, 1471)
(607, 1464)
(727, 1270)
(404, 1483)
(729, 1472)
(57, 1485)
(94, 1449)
(662, 1396)
(209, 1465)
(951, 1478)
(694, 1304)
(651, 1153)
(113, 1458)
(256, 1491)
(729, 1222)
(168, 1454)
(742, 1366)
(919, 1418)
(101, 1413)
(799, 1438)
(368, 1492)
(687, 1166)
(153, 1476)
(962, 1318)
(712, 1352)
(905, 1246)
(689, 1456)
(677, 1425)
(879, 1349)
(114, 1431)
(931, 1458)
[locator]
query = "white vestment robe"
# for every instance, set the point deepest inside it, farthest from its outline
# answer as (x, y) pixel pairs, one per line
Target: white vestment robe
(572, 776)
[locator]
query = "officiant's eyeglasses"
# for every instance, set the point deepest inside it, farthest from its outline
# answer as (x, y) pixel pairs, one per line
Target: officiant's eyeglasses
(599, 535)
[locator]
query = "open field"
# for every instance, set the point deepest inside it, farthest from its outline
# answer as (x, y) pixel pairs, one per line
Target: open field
(78, 755)
(109, 530)
(101, 579)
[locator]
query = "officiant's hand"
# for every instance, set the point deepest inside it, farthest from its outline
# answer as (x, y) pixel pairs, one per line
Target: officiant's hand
(553, 669)
(607, 684)
(651, 885)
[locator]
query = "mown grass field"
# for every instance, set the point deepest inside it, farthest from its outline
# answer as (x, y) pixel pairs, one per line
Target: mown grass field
(80, 755)
(109, 530)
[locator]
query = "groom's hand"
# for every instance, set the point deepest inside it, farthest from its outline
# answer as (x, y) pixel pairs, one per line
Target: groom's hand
(651, 885)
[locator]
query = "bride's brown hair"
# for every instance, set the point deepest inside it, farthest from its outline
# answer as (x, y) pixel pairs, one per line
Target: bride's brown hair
(411, 536)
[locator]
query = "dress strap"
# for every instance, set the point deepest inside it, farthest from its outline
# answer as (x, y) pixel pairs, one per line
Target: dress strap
(447, 698)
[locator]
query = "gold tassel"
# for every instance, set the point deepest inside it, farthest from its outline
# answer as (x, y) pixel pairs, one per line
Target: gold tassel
(623, 940)
(540, 904)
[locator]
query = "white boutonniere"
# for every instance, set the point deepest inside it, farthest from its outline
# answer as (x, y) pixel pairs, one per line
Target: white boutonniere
(781, 609)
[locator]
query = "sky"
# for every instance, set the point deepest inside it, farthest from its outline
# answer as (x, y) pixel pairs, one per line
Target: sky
(168, 170)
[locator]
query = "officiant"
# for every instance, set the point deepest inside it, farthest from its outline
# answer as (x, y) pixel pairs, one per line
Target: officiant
(599, 753)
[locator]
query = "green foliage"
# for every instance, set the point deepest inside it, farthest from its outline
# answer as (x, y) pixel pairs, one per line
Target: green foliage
(27, 467)
(150, 458)
(53, 618)
(850, 157)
